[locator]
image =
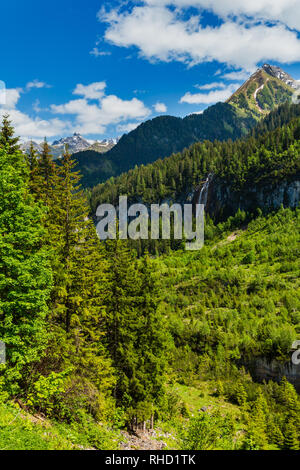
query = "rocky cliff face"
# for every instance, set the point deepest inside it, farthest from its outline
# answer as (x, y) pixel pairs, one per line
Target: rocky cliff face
(223, 201)
(261, 369)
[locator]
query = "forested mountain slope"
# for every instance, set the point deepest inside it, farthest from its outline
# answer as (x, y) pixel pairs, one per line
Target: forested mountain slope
(264, 161)
(160, 137)
(264, 91)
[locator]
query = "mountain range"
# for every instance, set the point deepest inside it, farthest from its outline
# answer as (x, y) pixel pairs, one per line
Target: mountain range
(264, 91)
(75, 143)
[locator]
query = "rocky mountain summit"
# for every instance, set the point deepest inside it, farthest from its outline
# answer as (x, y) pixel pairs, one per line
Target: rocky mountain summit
(76, 143)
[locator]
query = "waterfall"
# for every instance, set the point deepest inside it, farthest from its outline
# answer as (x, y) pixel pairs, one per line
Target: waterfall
(204, 191)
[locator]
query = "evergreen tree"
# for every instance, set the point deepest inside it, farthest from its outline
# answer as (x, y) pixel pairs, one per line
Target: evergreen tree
(32, 159)
(291, 439)
(122, 320)
(25, 274)
(8, 140)
(77, 306)
(154, 342)
(44, 177)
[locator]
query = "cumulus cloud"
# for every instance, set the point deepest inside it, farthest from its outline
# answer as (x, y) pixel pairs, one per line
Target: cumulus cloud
(244, 37)
(285, 11)
(160, 107)
(94, 91)
(92, 118)
(27, 127)
(213, 96)
(211, 86)
(89, 114)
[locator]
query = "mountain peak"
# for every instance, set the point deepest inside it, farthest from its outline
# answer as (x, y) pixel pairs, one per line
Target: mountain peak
(280, 74)
(267, 88)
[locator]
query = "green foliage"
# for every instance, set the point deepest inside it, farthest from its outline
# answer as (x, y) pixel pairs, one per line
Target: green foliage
(77, 307)
(208, 432)
(94, 332)
(135, 332)
(8, 141)
(25, 275)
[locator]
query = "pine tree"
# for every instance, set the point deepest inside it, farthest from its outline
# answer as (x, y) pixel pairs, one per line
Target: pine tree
(154, 341)
(77, 313)
(291, 438)
(277, 436)
(25, 274)
(122, 320)
(241, 394)
(44, 177)
(8, 140)
(76, 309)
(257, 424)
(32, 159)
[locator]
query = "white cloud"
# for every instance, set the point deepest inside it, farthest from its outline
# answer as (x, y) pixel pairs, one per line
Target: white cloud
(240, 75)
(94, 91)
(285, 11)
(213, 96)
(27, 127)
(165, 34)
(36, 106)
(95, 52)
(160, 107)
(37, 84)
(211, 86)
(92, 118)
(125, 128)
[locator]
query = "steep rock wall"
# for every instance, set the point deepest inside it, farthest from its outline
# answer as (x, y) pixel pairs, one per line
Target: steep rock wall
(223, 201)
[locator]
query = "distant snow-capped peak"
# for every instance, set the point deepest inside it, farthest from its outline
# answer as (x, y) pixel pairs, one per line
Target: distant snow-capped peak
(76, 143)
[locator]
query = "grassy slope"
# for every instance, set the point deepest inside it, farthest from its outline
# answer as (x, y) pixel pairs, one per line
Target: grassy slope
(275, 92)
(21, 431)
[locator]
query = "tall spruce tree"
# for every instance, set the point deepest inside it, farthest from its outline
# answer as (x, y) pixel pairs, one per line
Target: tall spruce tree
(77, 312)
(43, 175)
(136, 335)
(8, 140)
(154, 341)
(25, 274)
(122, 321)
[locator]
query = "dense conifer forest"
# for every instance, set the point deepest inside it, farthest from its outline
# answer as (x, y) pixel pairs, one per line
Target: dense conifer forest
(107, 337)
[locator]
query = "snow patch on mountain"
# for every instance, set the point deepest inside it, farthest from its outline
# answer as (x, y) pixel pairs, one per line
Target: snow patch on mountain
(277, 72)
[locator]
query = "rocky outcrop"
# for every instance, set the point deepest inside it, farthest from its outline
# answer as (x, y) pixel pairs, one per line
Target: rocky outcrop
(262, 369)
(223, 201)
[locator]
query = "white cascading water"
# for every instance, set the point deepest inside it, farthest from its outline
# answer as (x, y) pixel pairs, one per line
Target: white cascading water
(204, 191)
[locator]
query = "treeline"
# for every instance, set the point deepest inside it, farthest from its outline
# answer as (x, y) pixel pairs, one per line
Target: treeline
(80, 319)
(272, 151)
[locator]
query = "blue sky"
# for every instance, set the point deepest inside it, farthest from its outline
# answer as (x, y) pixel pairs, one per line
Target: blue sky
(100, 68)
